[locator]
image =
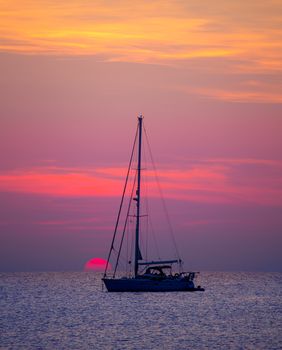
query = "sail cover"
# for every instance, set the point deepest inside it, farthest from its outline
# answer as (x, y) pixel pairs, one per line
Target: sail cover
(139, 255)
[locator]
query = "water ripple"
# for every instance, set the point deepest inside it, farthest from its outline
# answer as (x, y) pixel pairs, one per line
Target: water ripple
(70, 311)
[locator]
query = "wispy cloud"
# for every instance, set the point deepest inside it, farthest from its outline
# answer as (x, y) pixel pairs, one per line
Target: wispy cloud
(143, 31)
(234, 181)
(59, 182)
(243, 96)
(220, 39)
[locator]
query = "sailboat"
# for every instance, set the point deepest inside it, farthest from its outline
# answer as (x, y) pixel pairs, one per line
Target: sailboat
(154, 275)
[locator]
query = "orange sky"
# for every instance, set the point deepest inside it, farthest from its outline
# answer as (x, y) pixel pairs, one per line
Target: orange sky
(237, 37)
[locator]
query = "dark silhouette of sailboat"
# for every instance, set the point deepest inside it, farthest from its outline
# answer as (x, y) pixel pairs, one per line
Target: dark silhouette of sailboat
(148, 276)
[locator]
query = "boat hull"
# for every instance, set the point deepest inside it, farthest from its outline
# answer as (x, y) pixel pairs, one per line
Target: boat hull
(149, 285)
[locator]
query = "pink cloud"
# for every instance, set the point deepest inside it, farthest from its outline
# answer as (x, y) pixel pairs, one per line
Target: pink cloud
(209, 181)
(42, 181)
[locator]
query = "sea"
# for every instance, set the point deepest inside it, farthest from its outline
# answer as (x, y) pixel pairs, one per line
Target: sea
(71, 310)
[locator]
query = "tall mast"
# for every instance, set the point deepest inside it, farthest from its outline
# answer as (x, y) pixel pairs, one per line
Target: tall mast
(138, 196)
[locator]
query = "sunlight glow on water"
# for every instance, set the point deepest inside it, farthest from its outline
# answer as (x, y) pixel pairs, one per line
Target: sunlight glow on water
(70, 311)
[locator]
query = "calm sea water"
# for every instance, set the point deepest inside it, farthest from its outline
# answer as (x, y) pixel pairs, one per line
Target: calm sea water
(70, 311)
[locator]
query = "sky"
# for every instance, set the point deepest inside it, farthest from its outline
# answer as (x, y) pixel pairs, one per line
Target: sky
(75, 75)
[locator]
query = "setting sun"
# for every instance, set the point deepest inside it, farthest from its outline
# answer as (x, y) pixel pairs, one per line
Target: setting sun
(96, 264)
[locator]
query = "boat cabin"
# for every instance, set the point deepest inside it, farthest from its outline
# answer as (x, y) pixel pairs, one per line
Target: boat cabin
(158, 271)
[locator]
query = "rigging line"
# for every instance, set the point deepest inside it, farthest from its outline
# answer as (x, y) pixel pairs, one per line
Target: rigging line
(121, 203)
(154, 238)
(146, 230)
(148, 225)
(149, 222)
(146, 190)
(162, 197)
(125, 225)
(128, 247)
(144, 237)
(131, 249)
(127, 244)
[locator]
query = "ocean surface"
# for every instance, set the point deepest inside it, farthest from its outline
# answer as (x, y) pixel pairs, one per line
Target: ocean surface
(64, 310)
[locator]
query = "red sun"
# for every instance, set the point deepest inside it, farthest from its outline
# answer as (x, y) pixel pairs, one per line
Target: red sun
(96, 264)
